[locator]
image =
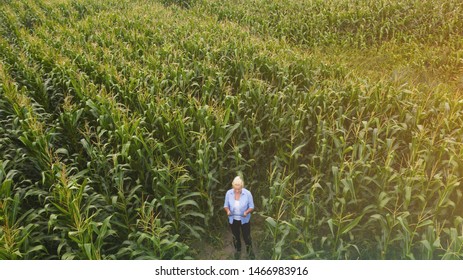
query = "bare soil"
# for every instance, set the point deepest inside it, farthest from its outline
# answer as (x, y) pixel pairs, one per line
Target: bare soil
(221, 246)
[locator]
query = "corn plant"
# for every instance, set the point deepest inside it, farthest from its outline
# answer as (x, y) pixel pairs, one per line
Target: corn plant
(120, 131)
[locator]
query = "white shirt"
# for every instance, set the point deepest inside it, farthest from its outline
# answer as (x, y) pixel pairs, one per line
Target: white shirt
(236, 209)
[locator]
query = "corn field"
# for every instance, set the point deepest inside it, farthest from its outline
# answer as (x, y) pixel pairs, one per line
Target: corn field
(123, 122)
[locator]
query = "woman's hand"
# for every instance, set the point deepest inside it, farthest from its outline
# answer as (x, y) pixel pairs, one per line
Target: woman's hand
(247, 212)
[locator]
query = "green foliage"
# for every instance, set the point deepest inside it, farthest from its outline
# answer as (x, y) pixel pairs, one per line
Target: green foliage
(180, 3)
(122, 124)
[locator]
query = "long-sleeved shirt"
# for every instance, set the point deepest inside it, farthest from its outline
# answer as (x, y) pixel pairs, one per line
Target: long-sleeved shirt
(246, 202)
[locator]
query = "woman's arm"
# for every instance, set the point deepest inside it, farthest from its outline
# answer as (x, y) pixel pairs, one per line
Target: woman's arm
(226, 205)
(250, 205)
(248, 211)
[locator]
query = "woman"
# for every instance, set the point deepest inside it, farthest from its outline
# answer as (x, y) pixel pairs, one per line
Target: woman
(238, 206)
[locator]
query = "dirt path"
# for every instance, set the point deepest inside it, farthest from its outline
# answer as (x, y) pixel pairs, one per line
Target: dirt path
(222, 248)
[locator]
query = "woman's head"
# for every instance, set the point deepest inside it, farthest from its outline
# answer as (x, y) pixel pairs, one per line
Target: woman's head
(237, 184)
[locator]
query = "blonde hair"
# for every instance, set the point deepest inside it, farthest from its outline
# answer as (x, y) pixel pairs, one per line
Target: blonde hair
(238, 181)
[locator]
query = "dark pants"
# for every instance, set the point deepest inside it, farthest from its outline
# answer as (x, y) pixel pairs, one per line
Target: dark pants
(236, 229)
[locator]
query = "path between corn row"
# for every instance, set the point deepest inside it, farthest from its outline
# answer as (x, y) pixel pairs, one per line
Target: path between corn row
(224, 250)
